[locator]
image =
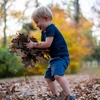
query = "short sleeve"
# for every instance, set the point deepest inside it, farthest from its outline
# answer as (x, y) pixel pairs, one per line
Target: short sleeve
(50, 32)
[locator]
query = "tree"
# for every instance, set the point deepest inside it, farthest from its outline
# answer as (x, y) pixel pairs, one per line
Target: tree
(76, 15)
(7, 68)
(6, 12)
(96, 54)
(78, 43)
(96, 12)
(96, 19)
(27, 27)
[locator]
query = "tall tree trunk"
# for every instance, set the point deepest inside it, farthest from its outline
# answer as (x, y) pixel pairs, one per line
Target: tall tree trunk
(37, 3)
(76, 15)
(7, 71)
(4, 6)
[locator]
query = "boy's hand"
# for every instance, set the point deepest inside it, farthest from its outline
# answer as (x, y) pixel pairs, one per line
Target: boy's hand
(30, 45)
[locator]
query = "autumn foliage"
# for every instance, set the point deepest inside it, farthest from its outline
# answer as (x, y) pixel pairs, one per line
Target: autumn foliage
(78, 43)
(29, 57)
(35, 88)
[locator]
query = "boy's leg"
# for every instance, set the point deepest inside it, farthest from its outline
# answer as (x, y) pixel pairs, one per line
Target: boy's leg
(52, 86)
(64, 84)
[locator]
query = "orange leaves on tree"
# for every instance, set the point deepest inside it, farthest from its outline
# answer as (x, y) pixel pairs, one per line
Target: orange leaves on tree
(78, 43)
(16, 14)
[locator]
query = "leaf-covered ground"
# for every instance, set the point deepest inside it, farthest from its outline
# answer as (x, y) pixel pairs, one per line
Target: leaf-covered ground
(85, 87)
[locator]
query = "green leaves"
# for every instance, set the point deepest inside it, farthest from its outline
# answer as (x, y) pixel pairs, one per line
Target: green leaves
(8, 63)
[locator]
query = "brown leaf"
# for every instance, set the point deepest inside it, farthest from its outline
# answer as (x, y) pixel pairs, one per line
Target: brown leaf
(28, 56)
(20, 53)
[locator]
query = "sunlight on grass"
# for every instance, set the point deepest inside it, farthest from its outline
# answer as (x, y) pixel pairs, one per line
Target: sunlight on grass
(90, 70)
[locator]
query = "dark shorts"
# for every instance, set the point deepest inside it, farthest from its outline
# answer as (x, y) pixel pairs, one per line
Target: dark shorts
(57, 66)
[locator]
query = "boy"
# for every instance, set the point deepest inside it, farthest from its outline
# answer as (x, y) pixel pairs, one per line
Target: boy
(52, 38)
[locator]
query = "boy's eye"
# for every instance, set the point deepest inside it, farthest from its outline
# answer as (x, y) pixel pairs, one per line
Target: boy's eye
(36, 22)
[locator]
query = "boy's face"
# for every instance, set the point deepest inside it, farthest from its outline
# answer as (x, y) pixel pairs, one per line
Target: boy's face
(42, 23)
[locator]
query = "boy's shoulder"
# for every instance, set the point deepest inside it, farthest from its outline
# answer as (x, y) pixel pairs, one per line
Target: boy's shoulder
(51, 27)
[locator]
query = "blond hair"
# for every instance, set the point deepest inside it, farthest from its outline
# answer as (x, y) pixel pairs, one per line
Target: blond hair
(41, 12)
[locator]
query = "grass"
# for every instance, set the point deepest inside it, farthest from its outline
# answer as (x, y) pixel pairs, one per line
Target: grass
(90, 70)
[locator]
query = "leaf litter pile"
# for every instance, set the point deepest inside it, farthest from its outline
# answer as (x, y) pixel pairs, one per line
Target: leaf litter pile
(29, 56)
(84, 87)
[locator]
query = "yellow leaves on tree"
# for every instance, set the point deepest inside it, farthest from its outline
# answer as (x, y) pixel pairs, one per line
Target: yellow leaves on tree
(36, 33)
(78, 43)
(16, 14)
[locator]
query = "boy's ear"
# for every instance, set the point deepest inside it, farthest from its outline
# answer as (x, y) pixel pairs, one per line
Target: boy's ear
(46, 17)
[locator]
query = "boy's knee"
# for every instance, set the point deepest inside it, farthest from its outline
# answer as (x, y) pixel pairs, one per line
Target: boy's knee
(47, 79)
(57, 77)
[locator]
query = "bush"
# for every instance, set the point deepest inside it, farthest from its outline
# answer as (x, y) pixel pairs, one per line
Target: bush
(9, 63)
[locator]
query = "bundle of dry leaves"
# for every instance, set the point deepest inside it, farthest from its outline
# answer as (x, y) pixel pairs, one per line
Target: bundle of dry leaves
(28, 56)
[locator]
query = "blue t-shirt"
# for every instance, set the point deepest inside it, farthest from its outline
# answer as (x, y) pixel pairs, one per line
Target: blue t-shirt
(58, 47)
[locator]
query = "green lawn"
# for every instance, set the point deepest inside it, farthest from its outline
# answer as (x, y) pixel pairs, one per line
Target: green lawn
(90, 70)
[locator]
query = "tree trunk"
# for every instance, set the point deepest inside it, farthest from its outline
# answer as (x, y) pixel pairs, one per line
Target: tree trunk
(4, 40)
(76, 17)
(6, 73)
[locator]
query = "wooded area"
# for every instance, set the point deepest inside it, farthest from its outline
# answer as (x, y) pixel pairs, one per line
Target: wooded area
(19, 83)
(76, 29)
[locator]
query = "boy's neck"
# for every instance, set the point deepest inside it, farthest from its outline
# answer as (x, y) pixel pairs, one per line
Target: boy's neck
(49, 23)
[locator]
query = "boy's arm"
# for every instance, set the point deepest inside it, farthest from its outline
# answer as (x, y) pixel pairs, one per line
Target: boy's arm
(47, 43)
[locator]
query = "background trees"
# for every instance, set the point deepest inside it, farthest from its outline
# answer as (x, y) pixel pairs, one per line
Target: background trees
(78, 35)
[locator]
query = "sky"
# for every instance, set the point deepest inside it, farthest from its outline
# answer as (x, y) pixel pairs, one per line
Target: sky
(85, 6)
